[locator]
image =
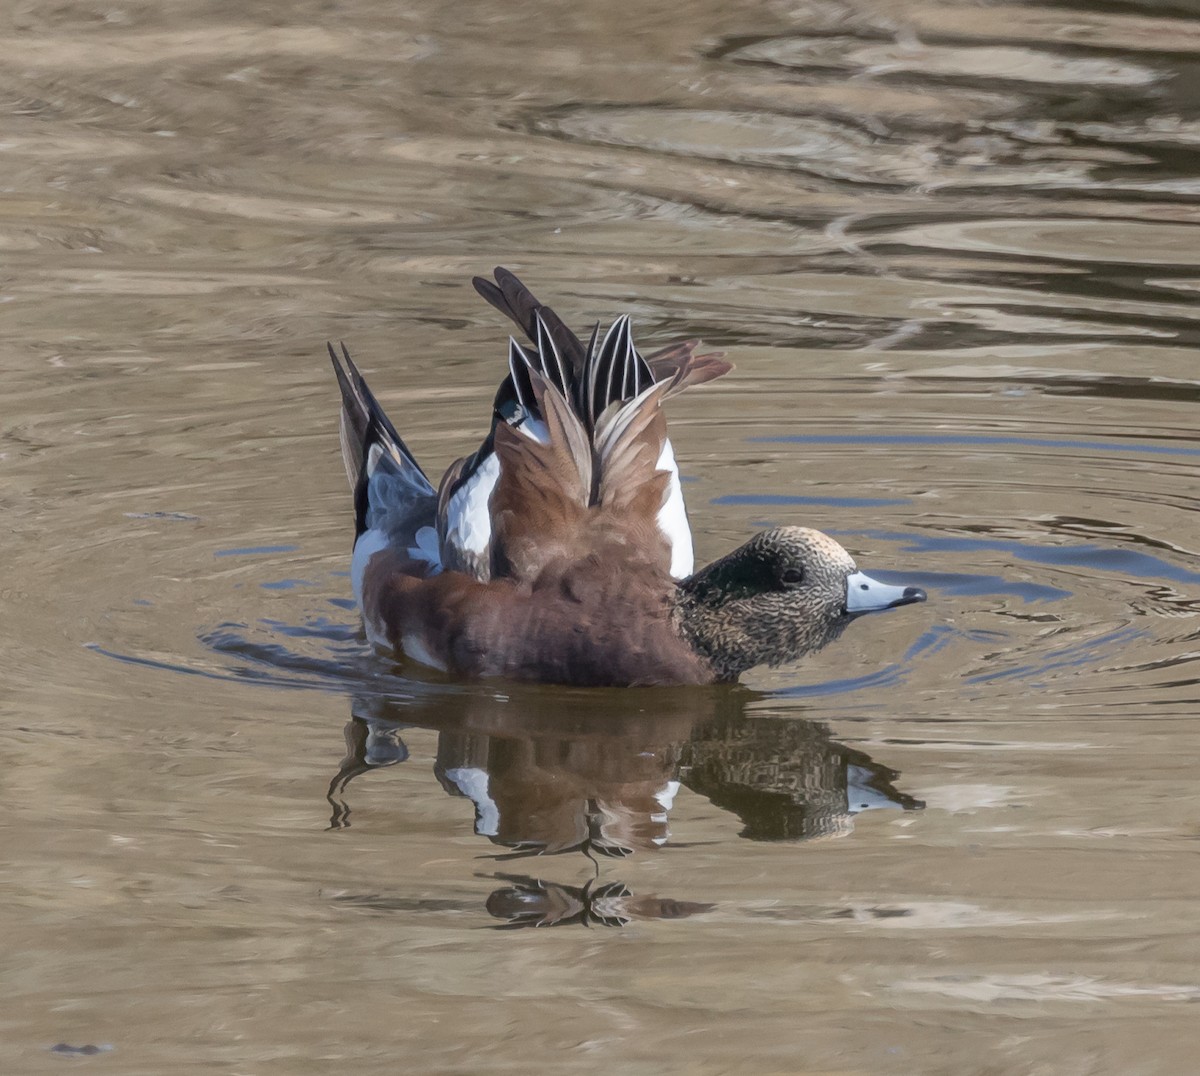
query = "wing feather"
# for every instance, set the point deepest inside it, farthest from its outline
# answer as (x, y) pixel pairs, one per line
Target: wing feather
(540, 504)
(629, 442)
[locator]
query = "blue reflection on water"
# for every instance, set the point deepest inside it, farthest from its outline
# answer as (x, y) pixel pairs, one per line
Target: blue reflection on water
(970, 583)
(1131, 562)
(971, 440)
(1075, 654)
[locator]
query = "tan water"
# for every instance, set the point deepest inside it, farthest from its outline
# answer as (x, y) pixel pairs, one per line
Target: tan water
(954, 251)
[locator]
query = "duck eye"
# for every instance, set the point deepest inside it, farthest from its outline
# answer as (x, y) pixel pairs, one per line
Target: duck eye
(792, 576)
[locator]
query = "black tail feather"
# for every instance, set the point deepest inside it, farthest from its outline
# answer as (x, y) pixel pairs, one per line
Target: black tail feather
(590, 379)
(365, 420)
(514, 300)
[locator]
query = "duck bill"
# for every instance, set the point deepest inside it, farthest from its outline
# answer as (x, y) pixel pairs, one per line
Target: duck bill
(867, 595)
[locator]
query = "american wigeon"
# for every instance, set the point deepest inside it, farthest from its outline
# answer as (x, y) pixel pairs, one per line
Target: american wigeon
(560, 551)
(578, 770)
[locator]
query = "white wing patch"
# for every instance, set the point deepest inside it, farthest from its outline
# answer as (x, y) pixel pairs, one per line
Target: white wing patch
(672, 517)
(469, 522)
(468, 513)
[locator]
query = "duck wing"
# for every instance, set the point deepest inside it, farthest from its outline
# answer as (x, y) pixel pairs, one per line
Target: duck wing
(589, 378)
(575, 495)
(395, 505)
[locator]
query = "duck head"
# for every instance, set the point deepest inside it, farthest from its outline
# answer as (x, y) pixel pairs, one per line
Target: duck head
(785, 593)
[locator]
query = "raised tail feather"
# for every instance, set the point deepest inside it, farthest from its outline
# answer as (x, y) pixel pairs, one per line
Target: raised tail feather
(372, 450)
(451, 529)
(515, 301)
(591, 380)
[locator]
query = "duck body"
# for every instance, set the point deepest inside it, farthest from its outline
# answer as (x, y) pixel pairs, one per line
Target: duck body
(602, 622)
(560, 550)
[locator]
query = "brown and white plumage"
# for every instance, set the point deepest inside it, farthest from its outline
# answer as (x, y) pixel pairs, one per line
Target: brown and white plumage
(560, 550)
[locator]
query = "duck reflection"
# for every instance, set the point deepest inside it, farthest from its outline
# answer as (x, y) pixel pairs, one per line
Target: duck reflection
(787, 779)
(553, 770)
(533, 902)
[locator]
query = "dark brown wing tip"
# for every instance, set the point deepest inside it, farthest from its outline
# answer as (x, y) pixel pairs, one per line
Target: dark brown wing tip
(488, 291)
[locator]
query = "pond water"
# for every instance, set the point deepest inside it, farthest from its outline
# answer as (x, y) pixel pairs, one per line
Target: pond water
(954, 252)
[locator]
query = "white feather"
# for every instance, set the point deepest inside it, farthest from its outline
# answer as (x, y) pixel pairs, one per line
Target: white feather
(536, 430)
(468, 519)
(672, 517)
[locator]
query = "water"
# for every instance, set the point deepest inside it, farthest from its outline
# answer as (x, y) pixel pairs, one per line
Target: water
(952, 249)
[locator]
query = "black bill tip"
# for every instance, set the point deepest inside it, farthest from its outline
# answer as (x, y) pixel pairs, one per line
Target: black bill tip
(910, 595)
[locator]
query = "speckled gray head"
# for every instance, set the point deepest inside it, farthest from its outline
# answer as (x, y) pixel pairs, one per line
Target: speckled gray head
(786, 592)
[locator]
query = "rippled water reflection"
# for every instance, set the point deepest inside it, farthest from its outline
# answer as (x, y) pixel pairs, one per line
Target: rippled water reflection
(952, 248)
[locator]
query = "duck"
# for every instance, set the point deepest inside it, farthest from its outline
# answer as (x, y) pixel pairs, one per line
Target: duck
(560, 551)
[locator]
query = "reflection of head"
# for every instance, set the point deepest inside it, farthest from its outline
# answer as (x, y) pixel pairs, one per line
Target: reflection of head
(788, 780)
